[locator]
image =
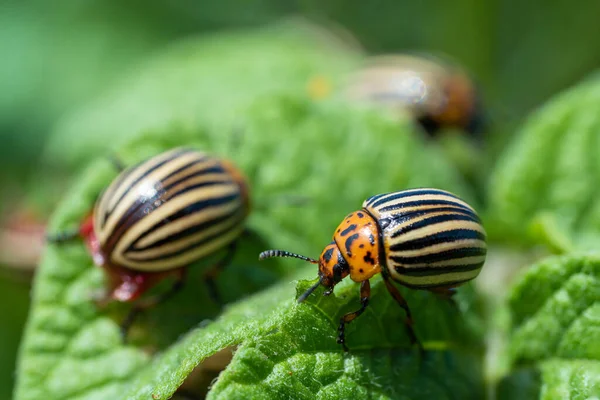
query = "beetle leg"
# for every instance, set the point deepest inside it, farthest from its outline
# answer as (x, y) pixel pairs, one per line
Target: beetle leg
(213, 272)
(145, 304)
(402, 303)
(365, 293)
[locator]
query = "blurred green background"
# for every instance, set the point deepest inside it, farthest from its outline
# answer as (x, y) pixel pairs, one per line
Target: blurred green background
(57, 57)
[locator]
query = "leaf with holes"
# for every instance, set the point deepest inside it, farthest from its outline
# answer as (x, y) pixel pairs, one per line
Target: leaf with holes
(544, 187)
(555, 338)
(72, 350)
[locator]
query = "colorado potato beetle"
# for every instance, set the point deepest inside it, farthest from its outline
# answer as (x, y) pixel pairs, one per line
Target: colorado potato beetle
(437, 94)
(421, 238)
(159, 216)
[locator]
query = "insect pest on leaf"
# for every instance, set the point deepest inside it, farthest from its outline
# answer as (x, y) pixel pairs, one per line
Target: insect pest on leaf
(158, 217)
(438, 95)
(426, 239)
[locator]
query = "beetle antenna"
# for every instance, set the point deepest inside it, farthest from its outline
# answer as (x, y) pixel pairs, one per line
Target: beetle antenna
(282, 253)
(309, 291)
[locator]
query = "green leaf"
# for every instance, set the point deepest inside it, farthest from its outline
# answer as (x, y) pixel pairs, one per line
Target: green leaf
(289, 350)
(71, 347)
(300, 359)
(544, 187)
(555, 336)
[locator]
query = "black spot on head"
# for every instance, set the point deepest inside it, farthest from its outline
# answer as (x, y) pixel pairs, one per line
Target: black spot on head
(362, 246)
(327, 255)
(369, 259)
(360, 215)
(361, 270)
(348, 230)
(349, 242)
(371, 239)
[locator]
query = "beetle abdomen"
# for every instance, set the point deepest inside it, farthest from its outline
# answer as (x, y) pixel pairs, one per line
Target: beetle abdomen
(431, 237)
(169, 211)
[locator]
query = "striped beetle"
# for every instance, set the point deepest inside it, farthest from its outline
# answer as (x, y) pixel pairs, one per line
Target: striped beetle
(437, 94)
(159, 216)
(421, 238)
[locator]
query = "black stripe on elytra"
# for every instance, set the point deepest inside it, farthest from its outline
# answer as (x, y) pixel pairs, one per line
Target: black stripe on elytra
(142, 206)
(185, 232)
(216, 182)
(348, 243)
(403, 215)
(327, 255)
(348, 230)
(450, 284)
(407, 193)
(152, 203)
(149, 170)
(188, 210)
(432, 258)
(184, 167)
(195, 174)
(203, 242)
(108, 194)
(373, 198)
(433, 271)
(449, 236)
(431, 221)
(418, 203)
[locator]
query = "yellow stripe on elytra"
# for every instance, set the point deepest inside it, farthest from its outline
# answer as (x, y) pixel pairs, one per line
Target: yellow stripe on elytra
(432, 229)
(189, 221)
(135, 174)
(183, 242)
(189, 256)
(145, 188)
(421, 197)
(437, 280)
(169, 208)
(437, 248)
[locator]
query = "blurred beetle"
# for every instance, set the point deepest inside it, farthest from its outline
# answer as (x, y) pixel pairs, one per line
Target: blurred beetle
(436, 93)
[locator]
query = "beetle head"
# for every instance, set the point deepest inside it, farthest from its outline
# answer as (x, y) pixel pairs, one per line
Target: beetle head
(332, 267)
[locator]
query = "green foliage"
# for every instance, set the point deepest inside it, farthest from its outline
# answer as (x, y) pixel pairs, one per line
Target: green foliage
(55, 56)
(67, 336)
(13, 308)
(205, 78)
(555, 337)
(544, 188)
